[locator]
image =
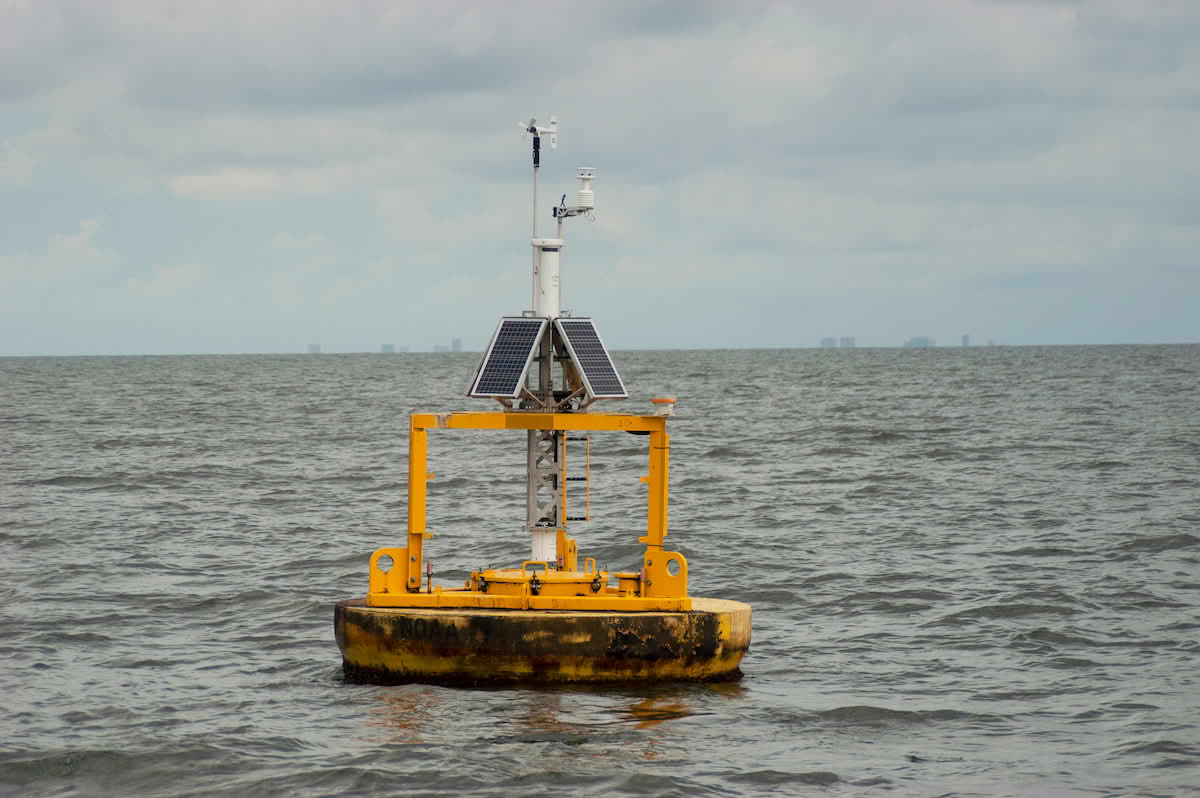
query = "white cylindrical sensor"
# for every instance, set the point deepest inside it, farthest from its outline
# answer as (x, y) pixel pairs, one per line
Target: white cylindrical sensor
(545, 544)
(546, 296)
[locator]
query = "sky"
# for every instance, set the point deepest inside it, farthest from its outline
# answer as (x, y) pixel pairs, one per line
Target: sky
(256, 176)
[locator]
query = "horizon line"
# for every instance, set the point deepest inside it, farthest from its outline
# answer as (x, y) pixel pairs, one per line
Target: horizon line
(302, 353)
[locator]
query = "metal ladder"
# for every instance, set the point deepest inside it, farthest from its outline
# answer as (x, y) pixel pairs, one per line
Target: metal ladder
(586, 478)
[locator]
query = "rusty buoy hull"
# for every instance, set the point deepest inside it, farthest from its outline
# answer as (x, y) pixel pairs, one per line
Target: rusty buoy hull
(391, 644)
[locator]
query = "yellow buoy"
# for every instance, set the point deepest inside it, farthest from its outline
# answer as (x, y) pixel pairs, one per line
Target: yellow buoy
(551, 618)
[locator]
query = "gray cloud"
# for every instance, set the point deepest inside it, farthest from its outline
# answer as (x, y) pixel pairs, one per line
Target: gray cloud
(278, 171)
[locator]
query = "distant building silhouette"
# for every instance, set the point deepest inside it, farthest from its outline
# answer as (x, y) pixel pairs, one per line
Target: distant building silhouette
(387, 349)
(314, 349)
(966, 340)
(919, 342)
(440, 348)
(828, 343)
(456, 345)
(847, 342)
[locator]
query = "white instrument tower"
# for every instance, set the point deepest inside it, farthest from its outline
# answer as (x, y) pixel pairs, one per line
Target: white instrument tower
(542, 335)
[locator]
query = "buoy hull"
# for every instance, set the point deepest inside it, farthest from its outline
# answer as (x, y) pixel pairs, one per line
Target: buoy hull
(393, 644)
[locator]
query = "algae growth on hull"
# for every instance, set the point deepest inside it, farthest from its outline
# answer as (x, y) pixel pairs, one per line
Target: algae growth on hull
(402, 645)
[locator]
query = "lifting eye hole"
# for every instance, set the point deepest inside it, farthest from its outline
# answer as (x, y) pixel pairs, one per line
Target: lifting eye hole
(384, 563)
(673, 567)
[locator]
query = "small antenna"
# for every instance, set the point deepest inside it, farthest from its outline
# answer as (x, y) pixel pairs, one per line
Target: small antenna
(532, 128)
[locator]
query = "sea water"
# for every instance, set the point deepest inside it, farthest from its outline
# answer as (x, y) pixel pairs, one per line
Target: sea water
(973, 572)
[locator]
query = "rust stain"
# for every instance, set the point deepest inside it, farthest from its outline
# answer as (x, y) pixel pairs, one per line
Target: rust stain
(396, 645)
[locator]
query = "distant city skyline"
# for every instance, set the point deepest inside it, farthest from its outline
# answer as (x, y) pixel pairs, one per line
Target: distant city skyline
(919, 342)
(828, 342)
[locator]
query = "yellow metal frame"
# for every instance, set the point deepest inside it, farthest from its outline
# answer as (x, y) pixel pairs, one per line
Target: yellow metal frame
(660, 586)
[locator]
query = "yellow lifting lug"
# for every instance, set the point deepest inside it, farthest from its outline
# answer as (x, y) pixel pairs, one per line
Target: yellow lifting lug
(392, 579)
(666, 574)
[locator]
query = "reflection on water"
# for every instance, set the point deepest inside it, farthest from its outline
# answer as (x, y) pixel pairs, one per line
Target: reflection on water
(636, 719)
(540, 716)
(650, 712)
(402, 715)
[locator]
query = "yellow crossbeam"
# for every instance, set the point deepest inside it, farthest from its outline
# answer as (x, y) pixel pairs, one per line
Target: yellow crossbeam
(597, 422)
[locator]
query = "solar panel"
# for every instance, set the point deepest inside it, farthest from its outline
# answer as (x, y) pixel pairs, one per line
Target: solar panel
(502, 371)
(600, 376)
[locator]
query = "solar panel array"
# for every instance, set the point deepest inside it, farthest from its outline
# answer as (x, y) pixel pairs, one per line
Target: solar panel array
(502, 372)
(595, 365)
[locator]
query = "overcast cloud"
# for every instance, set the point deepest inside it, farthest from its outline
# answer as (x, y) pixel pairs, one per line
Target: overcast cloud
(256, 176)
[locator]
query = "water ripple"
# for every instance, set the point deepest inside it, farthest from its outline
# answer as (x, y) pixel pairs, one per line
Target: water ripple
(974, 571)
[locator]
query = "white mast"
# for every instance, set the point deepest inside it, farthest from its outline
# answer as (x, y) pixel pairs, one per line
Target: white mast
(536, 131)
(544, 505)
